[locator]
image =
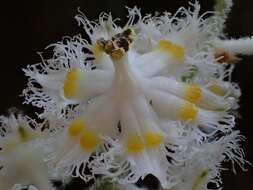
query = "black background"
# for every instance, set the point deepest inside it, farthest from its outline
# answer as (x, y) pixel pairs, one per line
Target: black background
(29, 26)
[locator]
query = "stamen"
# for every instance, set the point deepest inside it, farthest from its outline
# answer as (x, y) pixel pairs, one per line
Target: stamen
(117, 54)
(98, 49)
(188, 111)
(76, 127)
(217, 90)
(117, 45)
(175, 50)
(89, 139)
(128, 34)
(70, 86)
(109, 46)
(135, 144)
(153, 138)
(193, 93)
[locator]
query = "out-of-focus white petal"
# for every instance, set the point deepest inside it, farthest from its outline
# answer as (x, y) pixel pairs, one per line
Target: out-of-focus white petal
(22, 159)
(242, 46)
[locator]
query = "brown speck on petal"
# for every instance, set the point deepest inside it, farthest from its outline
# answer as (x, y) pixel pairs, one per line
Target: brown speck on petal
(226, 57)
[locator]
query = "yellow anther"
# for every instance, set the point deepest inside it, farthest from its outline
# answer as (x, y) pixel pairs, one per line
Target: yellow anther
(70, 85)
(76, 127)
(135, 144)
(117, 54)
(98, 50)
(132, 35)
(217, 90)
(188, 111)
(193, 93)
(175, 50)
(153, 138)
(89, 139)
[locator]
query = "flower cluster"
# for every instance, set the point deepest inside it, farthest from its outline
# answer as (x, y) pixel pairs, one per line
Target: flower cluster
(152, 97)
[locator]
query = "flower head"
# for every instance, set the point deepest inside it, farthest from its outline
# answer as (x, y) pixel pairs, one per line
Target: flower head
(146, 98)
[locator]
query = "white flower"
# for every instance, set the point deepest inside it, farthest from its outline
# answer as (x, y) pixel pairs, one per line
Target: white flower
(139, 99)
(50, 76)
(21, 159)
(204, 166)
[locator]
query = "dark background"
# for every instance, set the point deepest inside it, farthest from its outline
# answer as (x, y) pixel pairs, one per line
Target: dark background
(29, 26)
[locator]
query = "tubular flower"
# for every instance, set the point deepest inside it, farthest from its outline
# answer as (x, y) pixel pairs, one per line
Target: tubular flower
(21, 156)
(146, 98)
